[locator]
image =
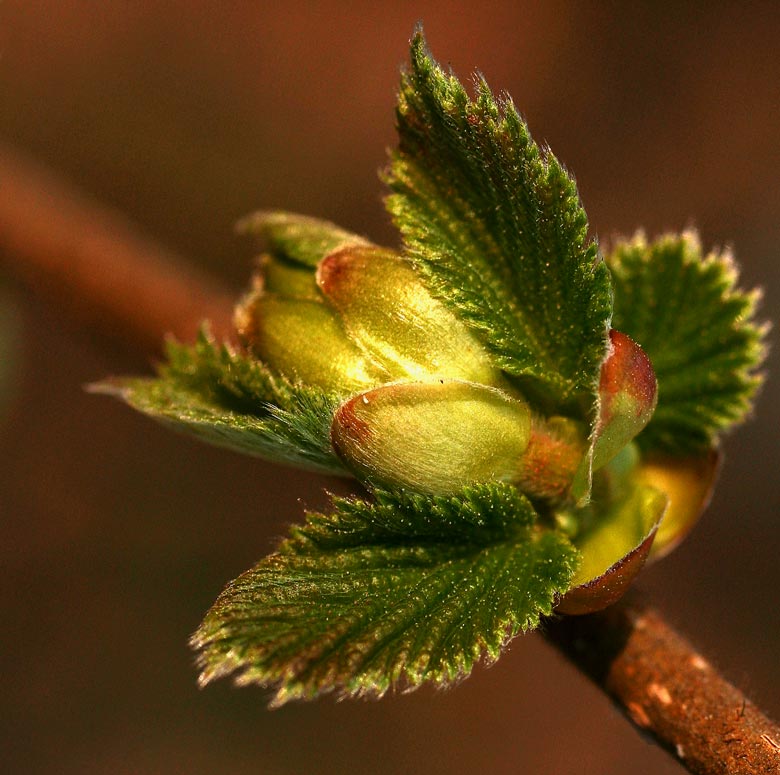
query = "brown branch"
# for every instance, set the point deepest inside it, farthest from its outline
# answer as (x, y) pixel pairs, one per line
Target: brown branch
(90, 262)
(667, 689)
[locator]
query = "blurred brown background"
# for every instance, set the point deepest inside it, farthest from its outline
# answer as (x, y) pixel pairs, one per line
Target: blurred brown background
(117, 535)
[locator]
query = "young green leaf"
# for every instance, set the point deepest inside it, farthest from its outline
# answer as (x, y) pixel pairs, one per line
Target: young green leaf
(699, 332)
(219, 396)
(400, 592)
(299, 238)
(496, 225)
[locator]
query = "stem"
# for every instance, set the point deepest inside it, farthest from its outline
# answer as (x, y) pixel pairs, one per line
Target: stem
(668, 690)
(90, 262)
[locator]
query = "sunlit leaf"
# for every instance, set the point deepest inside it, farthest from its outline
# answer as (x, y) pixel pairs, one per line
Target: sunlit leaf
(496, 225)
(393, 594)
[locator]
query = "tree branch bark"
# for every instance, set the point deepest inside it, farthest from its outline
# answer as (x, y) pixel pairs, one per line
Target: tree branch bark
(668, 690)
(91, 263)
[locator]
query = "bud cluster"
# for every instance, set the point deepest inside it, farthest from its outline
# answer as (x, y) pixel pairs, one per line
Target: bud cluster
(423, 406)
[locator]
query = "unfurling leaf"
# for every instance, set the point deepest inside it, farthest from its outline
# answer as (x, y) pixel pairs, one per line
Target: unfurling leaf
(371, 597)
(212, 393)
(628, 393)
(698, 330)
(496, 225)
(614, 549)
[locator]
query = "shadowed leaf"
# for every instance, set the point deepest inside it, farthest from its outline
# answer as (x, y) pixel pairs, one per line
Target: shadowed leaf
(217, 395)
(699, 332)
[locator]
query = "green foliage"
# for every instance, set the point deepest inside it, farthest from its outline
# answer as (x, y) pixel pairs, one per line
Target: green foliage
(217, 395)
(407, 590)
(496, 224)
(298, 237)
(420, 583)
(698, 330)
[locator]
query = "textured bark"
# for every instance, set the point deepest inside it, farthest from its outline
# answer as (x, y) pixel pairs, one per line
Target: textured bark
(89, 261)
(668, 690)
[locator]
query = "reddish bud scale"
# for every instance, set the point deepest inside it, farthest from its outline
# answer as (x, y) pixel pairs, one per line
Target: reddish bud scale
(608, 588)
(550, 461)
(628, 394)
(627, 373)
(350, 426)
(335, 273)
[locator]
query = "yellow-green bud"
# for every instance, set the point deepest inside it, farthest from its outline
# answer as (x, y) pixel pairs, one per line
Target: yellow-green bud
(432, 437)
(305, 342)
(289, 279)
(391, 315)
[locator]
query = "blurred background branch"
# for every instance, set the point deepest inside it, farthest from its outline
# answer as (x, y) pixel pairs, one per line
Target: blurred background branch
(117, 535)
(91, 263)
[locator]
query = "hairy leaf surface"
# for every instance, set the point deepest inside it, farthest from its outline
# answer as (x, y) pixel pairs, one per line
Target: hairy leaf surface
(699, 331)
(406, 590)
(496, 224)
(219, 396)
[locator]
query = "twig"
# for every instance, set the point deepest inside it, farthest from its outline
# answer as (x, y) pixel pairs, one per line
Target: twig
(89, 261)
(667, 689)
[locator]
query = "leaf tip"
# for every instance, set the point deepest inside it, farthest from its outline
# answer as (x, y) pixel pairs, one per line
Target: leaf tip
(116, 387)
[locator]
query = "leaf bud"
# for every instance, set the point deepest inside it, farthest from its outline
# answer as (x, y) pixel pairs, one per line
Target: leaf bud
(286, 278)
(391, 315)
(628, 393)
(304, 341)
(432, 437)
